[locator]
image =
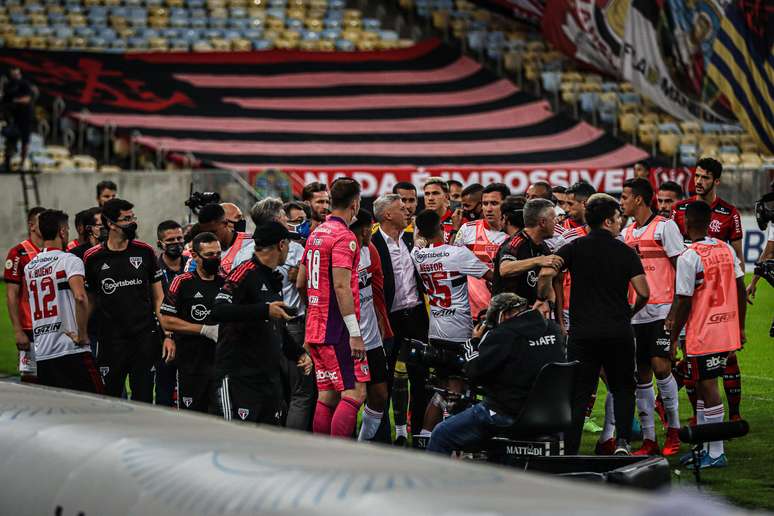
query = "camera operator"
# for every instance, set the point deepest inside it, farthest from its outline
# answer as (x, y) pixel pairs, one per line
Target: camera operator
(186, 312)
(250, 312)
(505, 360)
(212, 219)
(444, 269)
(765, 219)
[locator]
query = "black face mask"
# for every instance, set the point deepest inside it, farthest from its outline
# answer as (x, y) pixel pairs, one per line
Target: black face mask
(470, 215)
(240, 226)
(130, 230)
(174, 251)
(211, 265)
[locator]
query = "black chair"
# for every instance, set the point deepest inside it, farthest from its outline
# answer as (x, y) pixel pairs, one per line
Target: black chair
(545, 417)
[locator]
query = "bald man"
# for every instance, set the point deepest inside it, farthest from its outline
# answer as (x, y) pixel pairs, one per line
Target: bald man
(234, 217)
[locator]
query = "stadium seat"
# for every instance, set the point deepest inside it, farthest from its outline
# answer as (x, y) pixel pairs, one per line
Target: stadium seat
(84, 163)
(647, 133)
(668, 143)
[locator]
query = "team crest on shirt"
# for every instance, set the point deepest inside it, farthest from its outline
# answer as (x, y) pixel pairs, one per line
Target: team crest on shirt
(532, 278)
(104, 370)
(136, 261)
(243, 413)
(9, 264)
(352, 246)
(187, 401)
(715, 226)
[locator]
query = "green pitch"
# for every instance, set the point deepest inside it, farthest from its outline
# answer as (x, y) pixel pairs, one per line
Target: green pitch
(747, 481)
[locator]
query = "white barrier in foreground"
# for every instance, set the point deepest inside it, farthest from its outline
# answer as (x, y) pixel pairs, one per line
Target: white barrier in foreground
(70, 454)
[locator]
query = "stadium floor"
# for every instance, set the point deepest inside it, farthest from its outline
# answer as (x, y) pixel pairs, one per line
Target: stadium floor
(747, 481)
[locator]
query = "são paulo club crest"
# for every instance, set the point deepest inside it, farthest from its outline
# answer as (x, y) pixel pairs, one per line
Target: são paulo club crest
(187, 401)
(243, 413)
(136, 261)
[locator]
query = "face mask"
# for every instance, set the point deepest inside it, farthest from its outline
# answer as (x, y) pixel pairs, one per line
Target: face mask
(240, 226)
(211, 265)
(470, 215)
(302, 229)
(174, 251)
(130, 230)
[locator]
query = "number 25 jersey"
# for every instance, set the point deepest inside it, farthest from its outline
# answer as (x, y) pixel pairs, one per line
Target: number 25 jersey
(331, 245)
(443, 269)
(51, 302)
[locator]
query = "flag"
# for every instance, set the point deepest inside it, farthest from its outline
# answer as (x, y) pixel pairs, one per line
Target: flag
(742, 66)
(426, 105)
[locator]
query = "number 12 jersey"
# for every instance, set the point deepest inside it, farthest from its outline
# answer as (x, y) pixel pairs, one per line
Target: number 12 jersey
(51, 302)
(444, 269)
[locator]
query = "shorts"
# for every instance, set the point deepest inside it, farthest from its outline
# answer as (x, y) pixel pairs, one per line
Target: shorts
(238, 398)
(377, 365)
(76, 372)
(651, 340)
(336, 369)
(706, 367)
(194, 391)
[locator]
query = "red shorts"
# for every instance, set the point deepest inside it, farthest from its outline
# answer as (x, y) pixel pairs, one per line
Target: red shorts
(336, 369)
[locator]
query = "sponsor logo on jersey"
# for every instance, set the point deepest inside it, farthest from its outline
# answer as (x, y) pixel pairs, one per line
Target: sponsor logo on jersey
(327, 375)
(187, 401)
(715, 362)
(109, 285)
(545, 340)
(313, 300)
(243, 413)
(444, 312)
(198, 295)
(136, 261)
(721, 317)
(104, 370)
(423, 254)
(722, 210)
(224, 297)
(199, 312)
(105, 267)
(532, 278)
(46, 328)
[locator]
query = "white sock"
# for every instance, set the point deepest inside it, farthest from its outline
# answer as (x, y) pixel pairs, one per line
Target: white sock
(668, 389)
(425, 433)
(371, 421)
(401, 431)
(646, 403)
(700, 412)
(608, 429)
(714, 415)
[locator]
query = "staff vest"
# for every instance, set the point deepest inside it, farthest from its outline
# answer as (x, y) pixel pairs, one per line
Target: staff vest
(485, 250)
(659, 271)
(713, 324)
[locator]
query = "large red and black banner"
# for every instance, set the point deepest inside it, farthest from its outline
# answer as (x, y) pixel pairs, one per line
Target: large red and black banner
(422, 106)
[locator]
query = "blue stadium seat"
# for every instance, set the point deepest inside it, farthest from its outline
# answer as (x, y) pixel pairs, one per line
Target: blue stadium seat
(332, 23)
(232, 34)
(217, 22)
(252, 34)
(237, 12)
(476, 40)
(170, 33)
(262, 44)
(118, 44)
(148, 33)
(310, 35)
(331, 34)
(198, 23)
(239, 23)
(588, 101)
(669, 128)
(107, 33)
(371, 24)
(54, 18)
(18, 18)
(294, 23)
(609, 86)
(551, 81)
(195, 4)
(274, 12)
(25, 31)
(180, 44)
(707, 127)
(190, 34)
(179, 22)
(388, 35)
(98, 42)
(138, 43)
(64, 32)
(212, 33)
(345, 45)
(728, 149)
(337, 4)
(84, 32)
(44, 32)
(629, 98)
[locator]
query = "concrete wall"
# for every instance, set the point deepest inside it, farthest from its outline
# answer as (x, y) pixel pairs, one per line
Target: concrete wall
(156, 195)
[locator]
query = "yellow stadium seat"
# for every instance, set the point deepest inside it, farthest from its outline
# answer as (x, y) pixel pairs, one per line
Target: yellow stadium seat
(76, 20)
(202, 46)
(38, 43)
(351, 35)
(650, 118)
(112, 3)
(275, 24)
(174, 3)
(729, 159)
(750, 160)
(729, 138)
(38, 20)
(216, 4)
(158, 22)
(405, 43)
(291, 35)
(317, 14)
(536, 46)
(531, 72)
(647, 133)
(56, 152)
(572, 76)
(158, 44)
(241, 45)
(366, 46)
(512, 61)
(314, 24)
(628, 123)
(16, 42)
(690, 127)
(593, 78)
(353, 23)
(220, 44)
(309, 45)
(626, 87)
(286, 44)
(296, 13)
(57, 43)
(327, 46)
(590, 87)
(84, 163)
(708, 139)
(109, 169)
(91, 3)
(690, 139)
(388, 44)
(668, 143)
(352, 14)
(441, 19)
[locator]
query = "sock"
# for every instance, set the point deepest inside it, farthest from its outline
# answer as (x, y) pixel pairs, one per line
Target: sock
(371, 421)
(608, 429)
(646, 403)
(668, 389)
(401, 431)
(700, 412)
(714, 415)
(345, 417)
(323, 414)
(732, 384)
(400, 395)
(425, 433)
(592, 401)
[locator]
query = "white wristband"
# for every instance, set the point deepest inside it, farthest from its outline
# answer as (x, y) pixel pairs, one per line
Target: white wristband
(352, 325)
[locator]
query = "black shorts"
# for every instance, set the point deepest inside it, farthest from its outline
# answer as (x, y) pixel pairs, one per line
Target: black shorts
(194, 391)
(706, 367)
(377, 364)
(76, 371)
(651, 340)
(239, 399)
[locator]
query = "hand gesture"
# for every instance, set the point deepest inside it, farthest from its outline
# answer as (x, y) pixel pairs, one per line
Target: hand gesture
(277, 311)
(168, 350)
(305, 363)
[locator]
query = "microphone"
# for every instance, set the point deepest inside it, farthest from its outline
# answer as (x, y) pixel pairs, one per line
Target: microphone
(713, 432)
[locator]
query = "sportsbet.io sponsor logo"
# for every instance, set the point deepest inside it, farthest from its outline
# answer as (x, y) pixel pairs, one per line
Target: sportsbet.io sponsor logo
(109, 285)
(199, 312)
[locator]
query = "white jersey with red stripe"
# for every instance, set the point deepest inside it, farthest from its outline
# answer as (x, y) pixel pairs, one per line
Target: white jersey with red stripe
(444, 269)
(52, 304)
(369, 325)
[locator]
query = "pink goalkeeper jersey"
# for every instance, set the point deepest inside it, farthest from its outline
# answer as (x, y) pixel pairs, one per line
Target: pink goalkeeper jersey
(331, 245)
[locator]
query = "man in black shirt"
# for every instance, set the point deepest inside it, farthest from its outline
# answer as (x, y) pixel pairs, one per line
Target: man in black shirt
(602, 269)
(520, 258)
(506, 360)
(251, 314)
(124, 285)
(186, 312)
(92, 225)
(17, 101)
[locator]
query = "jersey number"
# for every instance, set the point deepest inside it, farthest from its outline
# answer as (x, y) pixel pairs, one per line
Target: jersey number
(313, 274)
(715, 284)
(48, 290)
(439, 294)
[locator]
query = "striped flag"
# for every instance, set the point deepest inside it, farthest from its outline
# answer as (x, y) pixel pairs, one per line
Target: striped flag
(742, 66)
(424, 105)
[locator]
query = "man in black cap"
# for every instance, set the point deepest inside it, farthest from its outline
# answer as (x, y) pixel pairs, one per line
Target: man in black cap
(251, 314)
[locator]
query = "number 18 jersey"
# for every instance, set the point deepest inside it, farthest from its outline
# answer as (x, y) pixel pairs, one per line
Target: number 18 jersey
(51, 302)
(331, 245)
(443, 269)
